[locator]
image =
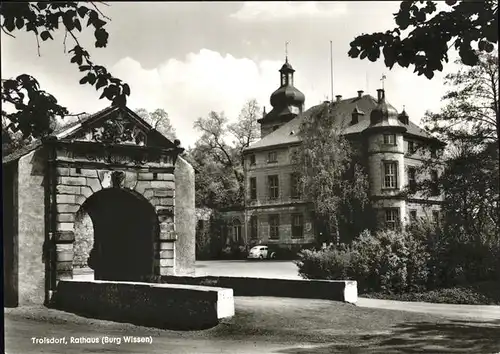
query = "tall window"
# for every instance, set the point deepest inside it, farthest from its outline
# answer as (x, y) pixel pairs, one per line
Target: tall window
(390, 139)
(253, 227)
(253, 188)
(390, 175)
(237, 231)
(412, 179)
(413, 215)
(252, 159)
(435, 216)
(411, 147)
(294, 186)
(297, 225)
(433, 152)
(435, 183)
(391, 218)
(272, 156)
(274, 226)
(273, 183)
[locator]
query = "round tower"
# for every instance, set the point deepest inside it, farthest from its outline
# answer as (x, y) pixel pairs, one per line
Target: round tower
(385, 158)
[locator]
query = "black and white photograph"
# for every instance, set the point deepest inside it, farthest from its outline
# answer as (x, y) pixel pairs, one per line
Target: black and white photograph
(261, 177)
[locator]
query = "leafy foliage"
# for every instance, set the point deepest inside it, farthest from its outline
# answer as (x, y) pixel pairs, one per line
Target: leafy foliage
(34, 107)
(388, 261)
(220, 181)
(159, 120)
(486, 293)
(330, 174)
(469, 182)
(471, 110)
(34, 117)
(428, 35)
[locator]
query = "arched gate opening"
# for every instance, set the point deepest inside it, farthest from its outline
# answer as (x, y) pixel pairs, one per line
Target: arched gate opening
(125, 228)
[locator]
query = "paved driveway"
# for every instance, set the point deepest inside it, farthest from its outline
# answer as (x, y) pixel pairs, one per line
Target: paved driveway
(253, 268)
(288, 270)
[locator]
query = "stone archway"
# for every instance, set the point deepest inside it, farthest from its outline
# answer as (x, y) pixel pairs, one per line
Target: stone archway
(125, 229)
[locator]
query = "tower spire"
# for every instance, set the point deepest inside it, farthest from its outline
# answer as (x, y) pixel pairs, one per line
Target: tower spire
(383, 79)
(286, 51)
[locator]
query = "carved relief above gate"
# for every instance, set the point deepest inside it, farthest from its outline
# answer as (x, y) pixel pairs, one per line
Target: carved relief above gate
(115, 130)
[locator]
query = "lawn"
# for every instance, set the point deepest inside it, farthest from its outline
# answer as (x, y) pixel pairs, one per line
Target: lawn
(268, 325)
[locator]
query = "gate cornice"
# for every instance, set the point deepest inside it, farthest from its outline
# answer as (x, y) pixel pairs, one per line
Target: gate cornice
(114, 154)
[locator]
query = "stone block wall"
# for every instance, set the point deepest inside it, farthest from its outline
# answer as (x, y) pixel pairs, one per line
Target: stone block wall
(185, 218)
(76, 185)
(31, 228)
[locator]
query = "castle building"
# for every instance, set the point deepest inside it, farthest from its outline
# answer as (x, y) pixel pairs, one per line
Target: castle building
(390, 145)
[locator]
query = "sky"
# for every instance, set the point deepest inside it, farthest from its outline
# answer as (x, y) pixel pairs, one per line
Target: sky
(191, 58)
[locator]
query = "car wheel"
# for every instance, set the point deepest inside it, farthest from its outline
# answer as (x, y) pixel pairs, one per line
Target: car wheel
(261, 257)
(273, 255)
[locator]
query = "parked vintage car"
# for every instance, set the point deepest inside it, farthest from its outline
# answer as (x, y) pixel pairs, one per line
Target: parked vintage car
(261, 252)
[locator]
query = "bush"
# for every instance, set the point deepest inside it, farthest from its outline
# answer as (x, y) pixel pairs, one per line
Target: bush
(486, 293)
(388, 261)
(456, 258)
(325, 264)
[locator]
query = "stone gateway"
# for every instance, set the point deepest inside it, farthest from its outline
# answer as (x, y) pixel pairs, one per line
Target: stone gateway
(130, 180)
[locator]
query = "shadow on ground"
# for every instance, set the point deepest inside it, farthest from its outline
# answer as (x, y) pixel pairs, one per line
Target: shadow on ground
(455, 336)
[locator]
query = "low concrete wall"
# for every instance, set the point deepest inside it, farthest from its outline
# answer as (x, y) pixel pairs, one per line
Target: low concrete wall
(170, 306)
(337, 290)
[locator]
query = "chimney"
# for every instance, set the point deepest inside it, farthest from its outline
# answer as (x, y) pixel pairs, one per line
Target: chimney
(381, 95)
(339, 97)
(360, 93)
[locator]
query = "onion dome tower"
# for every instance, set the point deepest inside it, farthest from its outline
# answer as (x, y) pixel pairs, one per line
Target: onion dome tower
(287, 102)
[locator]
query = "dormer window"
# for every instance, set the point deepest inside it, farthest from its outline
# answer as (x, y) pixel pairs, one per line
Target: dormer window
(355, 115)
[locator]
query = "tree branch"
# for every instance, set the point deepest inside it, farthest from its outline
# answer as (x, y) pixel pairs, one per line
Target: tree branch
(64, 41)
(100, 12)
(7, 33)
(38, 45)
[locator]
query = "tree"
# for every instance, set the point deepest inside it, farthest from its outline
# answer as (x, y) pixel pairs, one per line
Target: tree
(218, 156)
(246, 129)
(469, 182)
(429, 38)
(330, 175)
(159, 120)
(471, 110)
(33, 109)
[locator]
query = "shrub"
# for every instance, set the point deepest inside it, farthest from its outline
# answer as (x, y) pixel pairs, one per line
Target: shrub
(333, 263)
(389, 261)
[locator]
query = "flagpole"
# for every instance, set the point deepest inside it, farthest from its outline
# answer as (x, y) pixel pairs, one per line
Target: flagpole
(331, 70)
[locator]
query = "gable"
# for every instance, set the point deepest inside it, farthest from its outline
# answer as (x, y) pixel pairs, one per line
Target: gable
(118, 125)
(115, 125)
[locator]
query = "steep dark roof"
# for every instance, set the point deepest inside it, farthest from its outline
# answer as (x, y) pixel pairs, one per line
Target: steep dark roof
(288, 133)
(21, 151)
(287, 67)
